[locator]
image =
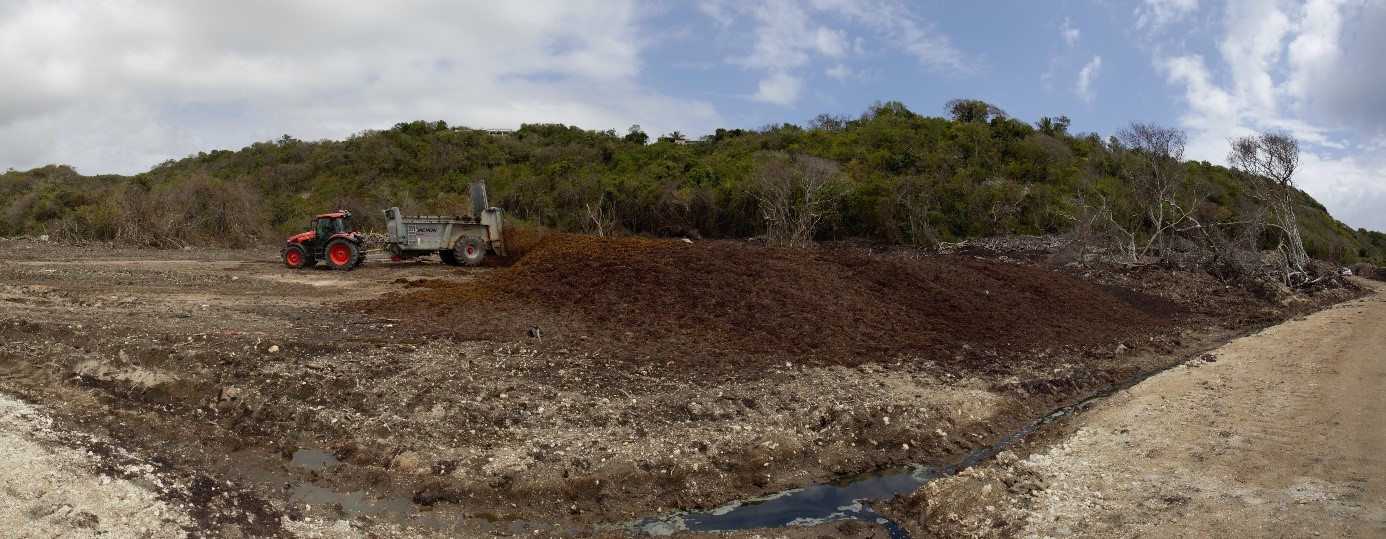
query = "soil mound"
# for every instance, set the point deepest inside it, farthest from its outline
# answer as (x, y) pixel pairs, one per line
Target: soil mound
(709, 303)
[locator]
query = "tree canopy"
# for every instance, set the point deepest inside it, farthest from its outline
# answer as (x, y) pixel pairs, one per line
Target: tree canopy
(898, 177)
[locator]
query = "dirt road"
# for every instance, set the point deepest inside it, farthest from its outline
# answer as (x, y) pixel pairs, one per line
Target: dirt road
(1278, 434)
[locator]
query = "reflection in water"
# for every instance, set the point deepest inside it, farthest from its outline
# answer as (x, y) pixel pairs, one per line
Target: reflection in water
(826, 502)
(312, 458)
(397, 510)
(846, 498)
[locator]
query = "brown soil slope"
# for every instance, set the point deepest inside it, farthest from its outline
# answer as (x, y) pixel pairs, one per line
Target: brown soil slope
(707, 303)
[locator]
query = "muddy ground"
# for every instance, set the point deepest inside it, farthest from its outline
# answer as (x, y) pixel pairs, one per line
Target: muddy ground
(413, 399)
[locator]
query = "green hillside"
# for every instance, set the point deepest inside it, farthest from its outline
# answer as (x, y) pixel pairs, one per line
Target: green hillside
(889, 175)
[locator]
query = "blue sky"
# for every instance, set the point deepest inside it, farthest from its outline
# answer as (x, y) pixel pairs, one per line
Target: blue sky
(118, 86)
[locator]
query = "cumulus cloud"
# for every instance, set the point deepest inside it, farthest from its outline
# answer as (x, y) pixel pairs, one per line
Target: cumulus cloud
(1340, 71)
(119, 85)
(825, 35)
(1290, 70)
(1350, 186)
(786, 37)
(1210, 106)
(1086, 76)
(779, 89)
(1254, 43)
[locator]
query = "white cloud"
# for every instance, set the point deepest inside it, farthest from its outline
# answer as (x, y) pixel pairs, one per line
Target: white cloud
(794, 37)
(1070, 34)
(779, 89)
(1254, 44)
(785, 37)
(831, 42)
(1086, 76)
(1339, 68)
(930, 47)
(1350, 187)
(840, 72)
(1210, 106)
(119, 85)
(1281, 70)
(1154, 14)
(1315, 48)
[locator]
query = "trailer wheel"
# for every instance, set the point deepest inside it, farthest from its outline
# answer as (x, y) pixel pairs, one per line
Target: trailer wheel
(469, 251)
(295, 257)
(449, 258)
(342, 254)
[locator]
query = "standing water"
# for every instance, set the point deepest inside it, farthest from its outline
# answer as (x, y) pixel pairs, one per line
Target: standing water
(843, 499)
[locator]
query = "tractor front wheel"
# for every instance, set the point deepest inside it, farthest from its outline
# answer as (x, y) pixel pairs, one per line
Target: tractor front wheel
(469, 250)
(342, 254)
(295, 257)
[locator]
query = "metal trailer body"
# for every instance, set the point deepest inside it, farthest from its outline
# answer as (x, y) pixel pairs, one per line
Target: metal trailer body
(422, 235)
(455, 239)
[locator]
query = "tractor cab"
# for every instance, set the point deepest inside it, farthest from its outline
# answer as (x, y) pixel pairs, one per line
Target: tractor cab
(331, 224)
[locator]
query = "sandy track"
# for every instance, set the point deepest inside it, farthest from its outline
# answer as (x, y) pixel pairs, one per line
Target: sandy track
(1282, 434)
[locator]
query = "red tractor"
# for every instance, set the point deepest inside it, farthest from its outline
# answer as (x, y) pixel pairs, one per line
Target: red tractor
(331, 240)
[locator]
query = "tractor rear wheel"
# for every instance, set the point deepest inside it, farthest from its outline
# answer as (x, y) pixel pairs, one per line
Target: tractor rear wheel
(296, 257)
(469, 251)
(342, 254)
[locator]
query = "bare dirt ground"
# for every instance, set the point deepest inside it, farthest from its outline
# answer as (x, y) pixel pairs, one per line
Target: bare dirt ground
(217, 393)
(1277, 434)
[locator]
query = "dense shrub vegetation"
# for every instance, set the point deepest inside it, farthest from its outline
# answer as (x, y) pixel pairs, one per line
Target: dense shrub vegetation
(890, 175)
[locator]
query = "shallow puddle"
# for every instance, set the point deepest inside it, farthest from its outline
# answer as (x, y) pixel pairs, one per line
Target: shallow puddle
(846, 498)
(816, 504)
(398, 510)
(842, 499)
(312, 459)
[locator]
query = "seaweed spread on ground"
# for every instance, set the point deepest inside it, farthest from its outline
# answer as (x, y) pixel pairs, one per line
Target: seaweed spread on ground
(702, 305)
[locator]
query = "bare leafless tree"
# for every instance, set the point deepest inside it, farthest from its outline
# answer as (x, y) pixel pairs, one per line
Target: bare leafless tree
(1269, 160)
(1155, 168)
(599, 219)
(1093, 230)
(794, 192)
(914, 201)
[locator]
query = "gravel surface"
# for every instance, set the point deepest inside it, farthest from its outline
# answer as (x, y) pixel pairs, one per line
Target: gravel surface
(53, 488)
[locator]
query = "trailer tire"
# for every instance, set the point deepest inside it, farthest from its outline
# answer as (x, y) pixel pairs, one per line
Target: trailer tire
(449, 258)
(342, 254)
(469, 251)
(296, 257)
